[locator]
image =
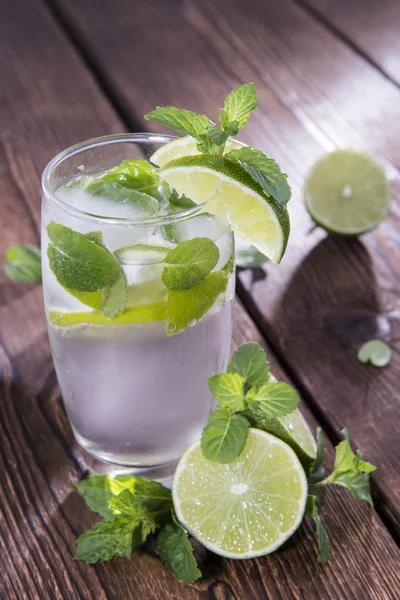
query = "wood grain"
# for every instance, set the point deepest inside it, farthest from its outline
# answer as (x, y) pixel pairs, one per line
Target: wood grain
(312, 89)
(49, 100)
(372, 26)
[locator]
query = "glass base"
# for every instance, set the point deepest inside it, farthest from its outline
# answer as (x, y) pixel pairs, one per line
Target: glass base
(162, 473)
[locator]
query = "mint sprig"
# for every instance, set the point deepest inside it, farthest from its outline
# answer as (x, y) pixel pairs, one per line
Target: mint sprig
(23, 264)
(212, 138)
(188, 263)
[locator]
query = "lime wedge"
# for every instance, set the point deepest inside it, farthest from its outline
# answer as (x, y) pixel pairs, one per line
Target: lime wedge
(148, 313)
(347, 192)
(185, 146)
(230, 192)
(245, 508)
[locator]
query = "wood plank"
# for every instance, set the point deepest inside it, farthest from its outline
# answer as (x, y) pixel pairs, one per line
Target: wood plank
(312, 89)
(371, 25)
(40, 113)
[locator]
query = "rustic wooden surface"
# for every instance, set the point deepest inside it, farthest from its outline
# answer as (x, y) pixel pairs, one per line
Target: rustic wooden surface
(72, 70)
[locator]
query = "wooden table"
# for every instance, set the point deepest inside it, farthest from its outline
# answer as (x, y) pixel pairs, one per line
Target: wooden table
(328, 74)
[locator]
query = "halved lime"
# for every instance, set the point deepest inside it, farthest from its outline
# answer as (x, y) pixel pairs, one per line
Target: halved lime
(245, 508)
(230, 192)
(347, 192)
(184, 146)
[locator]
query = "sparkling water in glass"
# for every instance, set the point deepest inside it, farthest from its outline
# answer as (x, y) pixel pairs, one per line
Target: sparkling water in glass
(136, 395)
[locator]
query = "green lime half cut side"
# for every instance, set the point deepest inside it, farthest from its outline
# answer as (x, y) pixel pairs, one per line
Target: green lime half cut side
(245, 508)
(347, 192)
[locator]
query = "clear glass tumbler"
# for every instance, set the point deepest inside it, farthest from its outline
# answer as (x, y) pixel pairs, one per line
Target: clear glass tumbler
(134, 384)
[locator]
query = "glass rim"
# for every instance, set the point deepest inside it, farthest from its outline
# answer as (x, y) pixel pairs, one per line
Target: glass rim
(105, 141)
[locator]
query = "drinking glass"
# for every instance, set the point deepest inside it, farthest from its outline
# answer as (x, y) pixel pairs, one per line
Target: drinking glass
(134, 390)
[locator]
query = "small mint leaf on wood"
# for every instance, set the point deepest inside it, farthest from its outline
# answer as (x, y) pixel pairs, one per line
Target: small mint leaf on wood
(176, 552)
(224, 436)
(322, 536)
(377, 352)
(107, 540)
(23, 264)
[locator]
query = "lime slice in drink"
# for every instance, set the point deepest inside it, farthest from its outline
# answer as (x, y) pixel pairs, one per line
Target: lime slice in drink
(347, 192)
(184, 146)
(246, 508)
(230, 192)
(141, 254)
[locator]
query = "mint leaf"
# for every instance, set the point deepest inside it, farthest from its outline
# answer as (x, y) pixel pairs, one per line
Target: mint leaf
(377, 352)
(251, 363)
(216, 135)
(185, 307)
(176, 552)
(114, 297)
(357, 483)
(146, 205)
(24, 264)
(154, 496)
(345, 457)
(273, 399)
(227, 389)
(107, 540)
(238, 107)
(224, 436)
(189, 262)
(178, 119)
(322, 536)
(128, 505)
(78, 262)
(97, 492)
(96, 237)
(361, 465)
(135, 174)
(318, 471)
(180, 202)
(264, 171)
(249, 258)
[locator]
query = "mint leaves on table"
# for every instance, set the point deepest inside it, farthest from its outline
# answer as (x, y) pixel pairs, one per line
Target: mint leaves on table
(81, 263)
(24, 264)
(133, 508)
(188, 263)
(350, 471)
(243, 392)
(377, 352)
(176, 551)
(212, 138)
